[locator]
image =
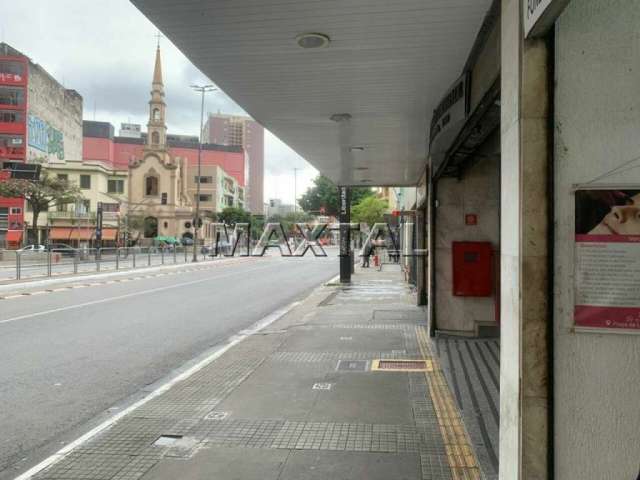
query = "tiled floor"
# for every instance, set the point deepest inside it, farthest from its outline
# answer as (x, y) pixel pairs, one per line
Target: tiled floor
(283, 404)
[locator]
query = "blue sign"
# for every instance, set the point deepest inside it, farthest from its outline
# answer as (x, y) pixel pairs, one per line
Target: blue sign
(44, 137)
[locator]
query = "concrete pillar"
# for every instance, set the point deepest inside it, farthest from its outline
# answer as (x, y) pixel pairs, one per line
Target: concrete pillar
(525, 325)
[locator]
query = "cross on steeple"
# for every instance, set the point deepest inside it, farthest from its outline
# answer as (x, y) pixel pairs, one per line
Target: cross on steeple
(158, 37)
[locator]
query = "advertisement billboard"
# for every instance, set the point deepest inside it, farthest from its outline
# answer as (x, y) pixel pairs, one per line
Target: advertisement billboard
(607, 259)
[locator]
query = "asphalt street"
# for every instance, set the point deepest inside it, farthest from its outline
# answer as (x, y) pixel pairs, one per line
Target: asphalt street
(71, 357)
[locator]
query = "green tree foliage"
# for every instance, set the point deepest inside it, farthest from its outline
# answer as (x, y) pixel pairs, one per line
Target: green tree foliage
(41, 194)
(369, 210)
(289, 220)
(131, 227)
(233, 215)
(324, 195)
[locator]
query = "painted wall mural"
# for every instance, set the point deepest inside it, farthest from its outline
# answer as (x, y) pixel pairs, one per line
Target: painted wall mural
(43, 137)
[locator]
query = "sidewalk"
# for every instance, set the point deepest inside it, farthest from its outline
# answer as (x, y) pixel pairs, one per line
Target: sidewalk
(323, 392)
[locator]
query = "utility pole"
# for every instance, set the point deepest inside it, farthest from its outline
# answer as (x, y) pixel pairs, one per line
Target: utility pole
(202, 89)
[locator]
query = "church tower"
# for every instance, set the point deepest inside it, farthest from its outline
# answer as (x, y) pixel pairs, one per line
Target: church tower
(157, 128)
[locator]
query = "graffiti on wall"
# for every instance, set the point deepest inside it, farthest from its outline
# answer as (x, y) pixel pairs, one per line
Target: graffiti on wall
(45, 138)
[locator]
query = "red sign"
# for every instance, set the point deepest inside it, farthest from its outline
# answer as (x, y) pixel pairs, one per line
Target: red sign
(11, 78)
(471, 219)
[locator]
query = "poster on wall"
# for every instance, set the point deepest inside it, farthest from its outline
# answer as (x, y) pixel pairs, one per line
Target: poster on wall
(607, 259)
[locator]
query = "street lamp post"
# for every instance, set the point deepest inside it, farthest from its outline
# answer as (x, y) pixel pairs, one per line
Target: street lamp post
(202, 89)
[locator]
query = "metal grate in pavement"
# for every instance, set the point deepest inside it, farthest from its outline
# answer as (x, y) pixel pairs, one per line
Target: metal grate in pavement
(399, 365)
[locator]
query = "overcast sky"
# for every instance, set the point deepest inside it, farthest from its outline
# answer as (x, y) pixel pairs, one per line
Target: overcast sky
(105, 50)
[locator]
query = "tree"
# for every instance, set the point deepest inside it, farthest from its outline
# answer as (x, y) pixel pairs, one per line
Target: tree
(41, 194)
(131, 223)
(233, 215)
(370, 210)
(289, 220)
(323, 195)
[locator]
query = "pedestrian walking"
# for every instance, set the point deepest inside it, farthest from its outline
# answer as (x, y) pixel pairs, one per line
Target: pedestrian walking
(367, 250)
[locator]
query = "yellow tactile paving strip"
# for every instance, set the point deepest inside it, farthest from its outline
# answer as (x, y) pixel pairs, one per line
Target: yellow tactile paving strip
(460, 454)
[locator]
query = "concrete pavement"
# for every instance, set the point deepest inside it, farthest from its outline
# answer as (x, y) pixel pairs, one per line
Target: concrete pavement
(344, 386)
(74, 354)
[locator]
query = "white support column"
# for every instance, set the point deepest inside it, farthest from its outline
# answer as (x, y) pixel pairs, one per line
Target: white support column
(525, 320)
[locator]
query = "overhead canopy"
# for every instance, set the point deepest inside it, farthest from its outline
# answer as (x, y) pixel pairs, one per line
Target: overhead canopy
(387, 65)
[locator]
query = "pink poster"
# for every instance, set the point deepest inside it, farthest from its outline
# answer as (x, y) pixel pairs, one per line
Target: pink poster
(607, 280)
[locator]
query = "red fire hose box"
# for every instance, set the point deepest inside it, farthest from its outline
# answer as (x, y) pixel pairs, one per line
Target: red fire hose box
(472, 269)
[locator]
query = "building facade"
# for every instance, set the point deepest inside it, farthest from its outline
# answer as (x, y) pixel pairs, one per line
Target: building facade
(163, 175)
(40, 122)
(249, 134)
(275, 206)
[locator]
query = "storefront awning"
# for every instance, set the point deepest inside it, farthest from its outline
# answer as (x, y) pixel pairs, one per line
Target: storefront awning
(82, 234)
(109, 234)
(14, 236)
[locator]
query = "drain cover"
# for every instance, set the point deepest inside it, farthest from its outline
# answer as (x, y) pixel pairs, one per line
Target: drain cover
(402, 365)
(166, 440)
(352, 365)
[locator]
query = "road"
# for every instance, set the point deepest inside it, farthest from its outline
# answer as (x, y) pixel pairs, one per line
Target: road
(69, 357)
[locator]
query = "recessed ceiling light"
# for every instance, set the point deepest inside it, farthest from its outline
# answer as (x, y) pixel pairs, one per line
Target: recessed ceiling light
(313, 40)
(340, 117)
(356, 149)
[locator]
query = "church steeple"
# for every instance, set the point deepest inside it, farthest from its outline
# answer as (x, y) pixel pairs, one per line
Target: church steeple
(157, 71)
(156, 128)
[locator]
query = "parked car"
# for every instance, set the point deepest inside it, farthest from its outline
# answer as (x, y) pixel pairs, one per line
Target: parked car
(33, 249)
(187, 241)
(224, 248)
(62, 248)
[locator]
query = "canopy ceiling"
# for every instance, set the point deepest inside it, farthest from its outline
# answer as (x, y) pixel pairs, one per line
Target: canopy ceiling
(387, 65)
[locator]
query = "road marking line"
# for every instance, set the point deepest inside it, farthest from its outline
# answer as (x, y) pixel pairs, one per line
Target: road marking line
(127, 295)
(231, 342)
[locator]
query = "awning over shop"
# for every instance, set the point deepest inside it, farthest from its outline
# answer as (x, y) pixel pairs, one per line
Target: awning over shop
(70, 233)
(81, 234)
(14, 236)
(109, 234)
